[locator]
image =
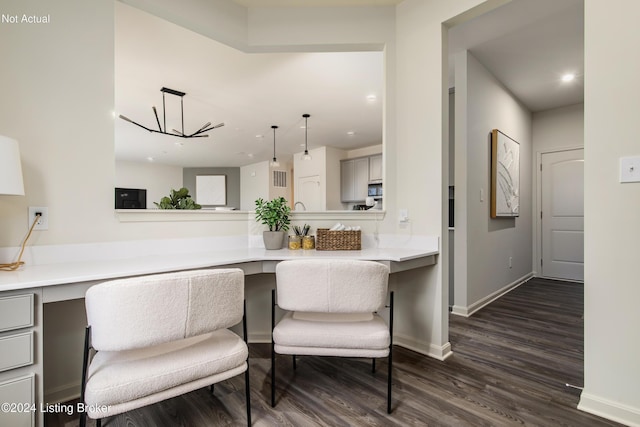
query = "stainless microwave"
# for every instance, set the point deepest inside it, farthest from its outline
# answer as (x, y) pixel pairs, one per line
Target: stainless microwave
(375, 190)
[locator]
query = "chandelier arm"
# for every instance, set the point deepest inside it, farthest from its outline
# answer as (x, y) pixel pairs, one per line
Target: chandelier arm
(207, 130)
(127, 119)
(155, 111)
(164, 112)
(182, 112)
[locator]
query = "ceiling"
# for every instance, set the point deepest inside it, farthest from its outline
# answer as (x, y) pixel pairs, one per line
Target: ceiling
(526, 44)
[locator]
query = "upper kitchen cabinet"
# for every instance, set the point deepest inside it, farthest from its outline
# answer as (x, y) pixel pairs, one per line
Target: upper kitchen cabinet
(354, 179)
(375, 168)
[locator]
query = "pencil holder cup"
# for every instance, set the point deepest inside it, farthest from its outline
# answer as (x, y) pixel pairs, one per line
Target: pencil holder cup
(308, 242)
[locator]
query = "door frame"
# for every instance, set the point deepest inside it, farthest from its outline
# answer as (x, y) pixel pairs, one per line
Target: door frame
(537, 208)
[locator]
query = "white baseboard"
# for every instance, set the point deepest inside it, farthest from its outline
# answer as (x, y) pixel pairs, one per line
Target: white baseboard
(468, 311)
(437, 352)
(260, 338)
(609, 409)
(63, 393)
(428, 349)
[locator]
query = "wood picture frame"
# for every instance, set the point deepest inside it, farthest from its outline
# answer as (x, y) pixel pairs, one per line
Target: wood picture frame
(505, 176)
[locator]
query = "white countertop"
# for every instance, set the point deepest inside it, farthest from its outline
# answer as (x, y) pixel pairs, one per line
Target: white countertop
(33, 276)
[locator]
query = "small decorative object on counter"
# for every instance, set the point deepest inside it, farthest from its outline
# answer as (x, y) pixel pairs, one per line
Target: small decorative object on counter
(295, 242)
(302, 233)
(339, 238)
(275, 214)
(308, 242)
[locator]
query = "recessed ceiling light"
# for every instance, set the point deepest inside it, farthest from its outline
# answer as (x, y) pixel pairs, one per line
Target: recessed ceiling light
(568, 77)
(250, 155)
(150, 159)
(371, 97)
(351, 133)
(259, 136)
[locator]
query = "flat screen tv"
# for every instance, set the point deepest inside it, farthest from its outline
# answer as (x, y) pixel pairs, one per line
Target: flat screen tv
(131, 198)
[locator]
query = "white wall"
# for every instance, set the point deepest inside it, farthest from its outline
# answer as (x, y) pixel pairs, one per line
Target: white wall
(487, 272)
(157, 179)
(416, 164)
(612, 228)
(254, 184)
(558, 128)
(57, 101)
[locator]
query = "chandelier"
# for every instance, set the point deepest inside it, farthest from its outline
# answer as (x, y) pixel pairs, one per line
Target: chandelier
(200, 133)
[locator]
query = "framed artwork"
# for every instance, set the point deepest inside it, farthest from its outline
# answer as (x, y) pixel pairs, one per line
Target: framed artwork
(505, 176)
(211, 190)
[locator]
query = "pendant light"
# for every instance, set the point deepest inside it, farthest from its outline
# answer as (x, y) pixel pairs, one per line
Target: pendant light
(306, 155)
(274, 162)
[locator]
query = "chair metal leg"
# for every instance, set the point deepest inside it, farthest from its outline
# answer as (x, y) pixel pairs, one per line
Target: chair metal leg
(211, 388)
(390, 353)
(294, 362)
(373, 366)
(99, 422)
(246, 373)
(273, 351)
(83, 380)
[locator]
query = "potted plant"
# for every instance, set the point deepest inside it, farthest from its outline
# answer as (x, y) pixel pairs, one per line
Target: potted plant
(275, 215)
(179, 199)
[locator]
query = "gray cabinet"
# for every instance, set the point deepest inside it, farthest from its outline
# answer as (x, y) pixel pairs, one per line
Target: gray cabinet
(17, 380)
(375, 168)
(354, 179)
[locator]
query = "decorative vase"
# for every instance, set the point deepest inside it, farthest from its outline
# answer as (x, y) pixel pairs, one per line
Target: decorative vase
(295, 242)
(308, 242)
(273, 239)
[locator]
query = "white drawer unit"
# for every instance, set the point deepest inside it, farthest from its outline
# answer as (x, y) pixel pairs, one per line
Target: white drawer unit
(16, 350)
(17, 396)
(16, 312)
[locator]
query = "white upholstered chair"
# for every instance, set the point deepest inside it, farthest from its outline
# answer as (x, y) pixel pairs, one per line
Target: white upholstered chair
(332, 309)
(159, 336)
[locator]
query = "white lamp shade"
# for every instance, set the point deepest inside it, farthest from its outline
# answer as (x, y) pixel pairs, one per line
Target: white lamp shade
(10, 167)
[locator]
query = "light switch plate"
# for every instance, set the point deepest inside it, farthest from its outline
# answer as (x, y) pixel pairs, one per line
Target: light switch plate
(630, 169)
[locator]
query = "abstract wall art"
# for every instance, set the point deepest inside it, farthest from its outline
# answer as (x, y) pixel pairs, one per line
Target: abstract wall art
(505, 176)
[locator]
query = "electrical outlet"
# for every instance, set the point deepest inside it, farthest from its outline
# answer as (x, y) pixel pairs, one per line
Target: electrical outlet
(630, 169)
(43, 221)
(403, 215)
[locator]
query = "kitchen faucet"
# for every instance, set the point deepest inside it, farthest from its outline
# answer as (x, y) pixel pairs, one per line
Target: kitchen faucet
(304, 208)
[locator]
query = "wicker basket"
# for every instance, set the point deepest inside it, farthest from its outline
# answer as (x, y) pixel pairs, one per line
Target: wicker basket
(327, 240)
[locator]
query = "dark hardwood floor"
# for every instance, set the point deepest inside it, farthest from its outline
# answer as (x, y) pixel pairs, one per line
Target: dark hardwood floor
(511, 363)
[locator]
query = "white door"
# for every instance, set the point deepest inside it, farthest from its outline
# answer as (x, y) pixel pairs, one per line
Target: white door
(308, 189)
(563, 215)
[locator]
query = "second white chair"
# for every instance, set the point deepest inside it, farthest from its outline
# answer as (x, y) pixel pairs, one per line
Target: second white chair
(332, 311)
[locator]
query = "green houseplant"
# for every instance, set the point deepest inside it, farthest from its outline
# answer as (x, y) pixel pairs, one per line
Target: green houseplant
(178, 199)
(275, 215)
